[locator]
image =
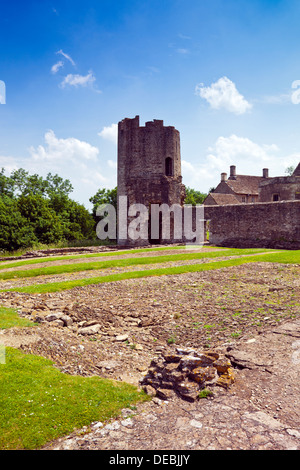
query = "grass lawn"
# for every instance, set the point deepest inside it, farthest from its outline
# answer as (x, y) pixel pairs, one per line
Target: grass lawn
(39, 403)
(47, 259)
(10, 318)
(269, 256)
(71, 268)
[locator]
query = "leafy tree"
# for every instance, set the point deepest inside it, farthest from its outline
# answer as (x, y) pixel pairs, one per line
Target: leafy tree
(57, 185)
(6, 187)
(42, 218)
(194, 197)
(290, 170)
(104, 196)
(34, 210)
(16, 231)
(77, 223)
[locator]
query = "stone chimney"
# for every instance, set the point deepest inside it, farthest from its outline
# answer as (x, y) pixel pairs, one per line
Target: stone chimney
(233, 172)
(223, 176)
(266, 173)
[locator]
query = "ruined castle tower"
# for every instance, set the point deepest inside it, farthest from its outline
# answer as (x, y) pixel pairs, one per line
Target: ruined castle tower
(149, 167)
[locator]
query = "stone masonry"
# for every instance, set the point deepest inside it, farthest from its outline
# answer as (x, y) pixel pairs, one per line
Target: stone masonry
(149, 168)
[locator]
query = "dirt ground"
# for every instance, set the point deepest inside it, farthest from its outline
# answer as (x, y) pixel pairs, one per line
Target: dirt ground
(114, 330)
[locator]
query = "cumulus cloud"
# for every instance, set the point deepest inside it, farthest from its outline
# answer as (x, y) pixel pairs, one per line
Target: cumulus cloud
(65, 150)
(77, 80)
(228, 150)
(224, 94)
(70, 158)
(248, 156)
(110, 133)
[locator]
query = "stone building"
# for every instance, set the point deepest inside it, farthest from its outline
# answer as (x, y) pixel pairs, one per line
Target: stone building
(149, 172)
(243, 210)
(281, 188)
(237, 189)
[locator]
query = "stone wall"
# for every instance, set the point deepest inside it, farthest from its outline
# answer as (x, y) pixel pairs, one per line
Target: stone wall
(267, 225)
(149, 167)
(284, 188)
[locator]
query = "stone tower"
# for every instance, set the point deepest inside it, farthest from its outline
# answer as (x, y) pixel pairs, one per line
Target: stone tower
(149, 169)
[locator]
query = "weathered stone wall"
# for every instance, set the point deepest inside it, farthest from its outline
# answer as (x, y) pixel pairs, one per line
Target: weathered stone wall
(268, 225)
(144, 175)
(287, 188)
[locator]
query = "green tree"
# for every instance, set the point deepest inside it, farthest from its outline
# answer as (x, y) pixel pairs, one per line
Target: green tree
(104, 196)
(289, 170)
(45, 223)
(16, 231)
(20, 182)
(6, 186)
(194, 197)
(77, 223)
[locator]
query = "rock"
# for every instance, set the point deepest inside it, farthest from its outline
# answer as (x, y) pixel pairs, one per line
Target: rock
(53, 317)
(121, 337)
(151, 391)
(67, 320)
(187, 373)
(89, 330)
(222, 365)
(109, 365)
(227, 379)
(203, 374)
(57, 322)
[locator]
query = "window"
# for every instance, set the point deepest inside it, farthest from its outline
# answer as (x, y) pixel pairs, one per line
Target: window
(243, 198)
(275, 197)
(169, 166)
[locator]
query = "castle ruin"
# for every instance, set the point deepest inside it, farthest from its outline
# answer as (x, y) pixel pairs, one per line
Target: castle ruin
(149, 175)
(149, 170)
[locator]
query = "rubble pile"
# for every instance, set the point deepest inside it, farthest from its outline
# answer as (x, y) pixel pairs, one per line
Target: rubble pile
(187, 373)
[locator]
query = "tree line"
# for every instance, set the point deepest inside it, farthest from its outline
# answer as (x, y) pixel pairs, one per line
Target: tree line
(36, 210)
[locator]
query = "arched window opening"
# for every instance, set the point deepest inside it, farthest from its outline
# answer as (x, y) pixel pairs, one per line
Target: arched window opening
(169, 166)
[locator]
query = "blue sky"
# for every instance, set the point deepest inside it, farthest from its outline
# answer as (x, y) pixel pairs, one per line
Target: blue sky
(225, 73)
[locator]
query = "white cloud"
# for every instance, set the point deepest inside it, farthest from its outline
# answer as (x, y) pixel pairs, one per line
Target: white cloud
(66, 56)
(77, 80)
(228, 150)
(224, 94)
(55, 68)
(249, 157)
(64, 150)
(70, 158)
(110, 133)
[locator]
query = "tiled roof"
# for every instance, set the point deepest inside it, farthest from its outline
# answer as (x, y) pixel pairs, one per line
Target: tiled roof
(244, 184)
(221, 199)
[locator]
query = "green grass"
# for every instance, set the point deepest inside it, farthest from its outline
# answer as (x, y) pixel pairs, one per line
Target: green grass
(9, 318)
(272, 257)
(48, 259)
(39, 403)
(72, 268)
